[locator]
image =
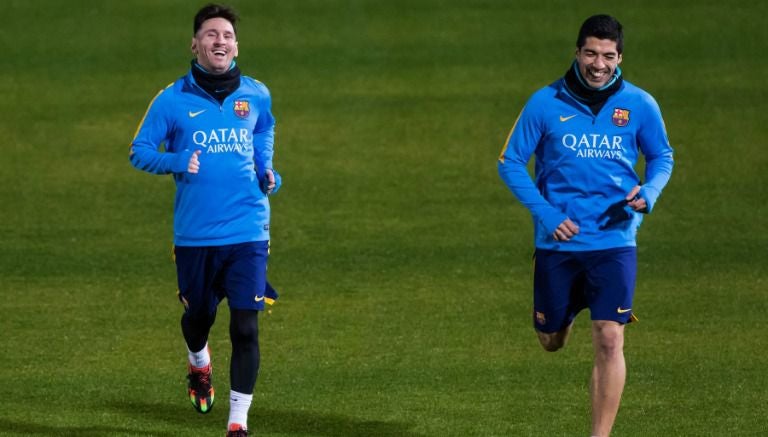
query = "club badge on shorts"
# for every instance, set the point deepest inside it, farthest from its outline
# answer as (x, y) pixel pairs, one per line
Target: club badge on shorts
(620, 117)
(242, 108)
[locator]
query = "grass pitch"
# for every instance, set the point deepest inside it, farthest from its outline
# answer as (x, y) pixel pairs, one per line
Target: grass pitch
(402, 260)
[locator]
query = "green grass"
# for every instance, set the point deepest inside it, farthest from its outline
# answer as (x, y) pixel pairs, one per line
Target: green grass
(402, 260)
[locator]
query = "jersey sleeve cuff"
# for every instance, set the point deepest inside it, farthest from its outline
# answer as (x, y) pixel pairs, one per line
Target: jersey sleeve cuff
(650, 195)
(552, 220)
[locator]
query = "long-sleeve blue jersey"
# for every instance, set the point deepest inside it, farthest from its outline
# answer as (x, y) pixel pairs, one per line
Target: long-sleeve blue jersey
(222, 203)
(585, 164)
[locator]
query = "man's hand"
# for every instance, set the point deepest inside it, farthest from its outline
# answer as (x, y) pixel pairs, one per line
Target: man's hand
(269, 181)
(565, 231)
(636, 202)
(194, 163)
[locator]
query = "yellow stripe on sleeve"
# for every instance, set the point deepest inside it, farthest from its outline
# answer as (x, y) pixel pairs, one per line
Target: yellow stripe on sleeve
(138, 128)
(506, 143)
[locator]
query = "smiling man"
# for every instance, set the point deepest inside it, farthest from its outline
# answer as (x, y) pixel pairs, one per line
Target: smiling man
(587, 131)
(217, 130)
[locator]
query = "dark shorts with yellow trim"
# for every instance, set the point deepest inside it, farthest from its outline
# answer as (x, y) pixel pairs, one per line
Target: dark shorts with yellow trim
(208, 275)
(564, 283)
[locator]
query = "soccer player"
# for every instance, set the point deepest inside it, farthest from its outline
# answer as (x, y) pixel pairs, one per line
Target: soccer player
(217, 130)
(587, 130)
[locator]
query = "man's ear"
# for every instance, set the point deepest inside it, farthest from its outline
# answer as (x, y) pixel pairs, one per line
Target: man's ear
(193, 46)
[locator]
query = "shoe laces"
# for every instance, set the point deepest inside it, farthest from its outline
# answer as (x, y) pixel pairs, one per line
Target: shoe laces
(200, 380)
(237, 431)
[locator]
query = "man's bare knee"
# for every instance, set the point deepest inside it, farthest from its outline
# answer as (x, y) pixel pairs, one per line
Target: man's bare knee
(551, 346)
(552, 342)
(608, 338)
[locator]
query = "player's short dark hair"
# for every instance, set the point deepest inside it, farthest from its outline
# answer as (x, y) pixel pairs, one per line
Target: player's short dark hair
(601, 27)
(215, 11)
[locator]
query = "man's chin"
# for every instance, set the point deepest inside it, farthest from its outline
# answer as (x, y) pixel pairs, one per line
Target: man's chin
(219, 68)
(595, 84)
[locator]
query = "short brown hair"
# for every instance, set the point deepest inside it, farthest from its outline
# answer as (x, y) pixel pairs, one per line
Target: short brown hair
(601, 27)
(214, 11)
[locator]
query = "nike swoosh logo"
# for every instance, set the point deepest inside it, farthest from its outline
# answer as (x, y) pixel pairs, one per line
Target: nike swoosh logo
(258, 298)
(563, 119)
(621, 310)
(195, 114)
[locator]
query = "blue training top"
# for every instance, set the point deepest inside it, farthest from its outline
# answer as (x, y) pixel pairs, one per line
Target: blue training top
(222, 204)
(585, 164)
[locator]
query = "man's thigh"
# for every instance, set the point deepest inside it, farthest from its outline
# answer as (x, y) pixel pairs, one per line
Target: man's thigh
(197, 271)
(610, 283)
(244, 276)
(558, 284)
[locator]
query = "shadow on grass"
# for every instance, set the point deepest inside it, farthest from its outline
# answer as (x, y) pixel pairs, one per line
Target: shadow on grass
(184, 421)
(300, 422)
(322, 424)
(26, 428)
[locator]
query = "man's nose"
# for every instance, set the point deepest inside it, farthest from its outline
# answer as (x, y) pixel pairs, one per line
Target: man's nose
(599, 62)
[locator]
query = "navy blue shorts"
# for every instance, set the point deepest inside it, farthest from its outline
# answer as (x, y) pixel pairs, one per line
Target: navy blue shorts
(207, 275)
(564, 283)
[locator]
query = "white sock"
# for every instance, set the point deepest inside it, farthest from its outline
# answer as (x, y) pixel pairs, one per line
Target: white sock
(239, 404)
(200, 359)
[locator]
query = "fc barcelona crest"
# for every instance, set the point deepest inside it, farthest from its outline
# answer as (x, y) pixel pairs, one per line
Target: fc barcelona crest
(620, 117)
(242, 108)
